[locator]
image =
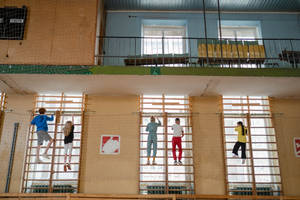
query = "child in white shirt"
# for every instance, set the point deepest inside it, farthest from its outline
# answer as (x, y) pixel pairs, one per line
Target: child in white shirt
(176, 141)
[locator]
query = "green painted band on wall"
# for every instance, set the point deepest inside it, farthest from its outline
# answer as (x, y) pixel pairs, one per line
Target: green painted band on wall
(121, 70)
(196, 71)
(45, 69)
(138, 70)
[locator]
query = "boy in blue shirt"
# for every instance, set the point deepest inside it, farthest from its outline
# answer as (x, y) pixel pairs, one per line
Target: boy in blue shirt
(42, 132)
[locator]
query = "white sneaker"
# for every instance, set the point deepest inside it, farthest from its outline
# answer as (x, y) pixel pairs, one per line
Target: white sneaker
(45, 156)
(179, 162)
(234, 155)
(175, 162)
(37, 160)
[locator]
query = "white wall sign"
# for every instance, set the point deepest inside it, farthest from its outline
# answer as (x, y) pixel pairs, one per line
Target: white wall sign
(110, 144)
(297, 146)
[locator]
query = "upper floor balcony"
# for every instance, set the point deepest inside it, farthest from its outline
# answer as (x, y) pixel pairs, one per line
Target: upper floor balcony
(199, 52)
(181, 56)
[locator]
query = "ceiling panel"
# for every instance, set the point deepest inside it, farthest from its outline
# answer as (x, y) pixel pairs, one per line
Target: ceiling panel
(288, 87)
(194, 5)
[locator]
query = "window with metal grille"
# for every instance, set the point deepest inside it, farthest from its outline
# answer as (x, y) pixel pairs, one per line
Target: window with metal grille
(240, 32)
(260, 175)
(49, 176)
(165, 177)
(164, 39)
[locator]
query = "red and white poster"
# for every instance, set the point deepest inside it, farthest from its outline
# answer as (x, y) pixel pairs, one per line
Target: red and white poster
(110, 144)
(297, 147)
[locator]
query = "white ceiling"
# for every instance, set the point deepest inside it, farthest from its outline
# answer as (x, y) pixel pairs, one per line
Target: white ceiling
(137, 84)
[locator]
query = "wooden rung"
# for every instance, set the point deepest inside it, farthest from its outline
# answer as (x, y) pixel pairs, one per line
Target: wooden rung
(59, 124)
(168, 181)
(166, 104)
(254, 174)
(271, 191)
(251, 127)
(48, 163)
(52, 179)
(251, 166)
(233, 142)
(232, 158)
(240, 174)
(78, 114)
(170, 165)
(246, 117)
(169, 134)
(45, 171)
(158, 108)
(167, 126)
(57, 140)
(142, 98)
(251, 135)
(57, 102)
(75, 132)
(250, 99)
(230, 182)
(165, 173)
(245, 104)
(164, 157)
(33, 155)
(163, 189)
(246, 109)
(36, 187)
(183, 149)
(254, 142)
(44, 147)
(255, 150)
(64, 108)
(169, 141)
(45, 96)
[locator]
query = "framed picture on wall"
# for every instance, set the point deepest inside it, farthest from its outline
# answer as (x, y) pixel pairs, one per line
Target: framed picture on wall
(297, 146)
(110, 144)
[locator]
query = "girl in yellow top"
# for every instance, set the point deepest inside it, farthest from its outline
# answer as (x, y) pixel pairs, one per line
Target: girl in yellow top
(242, 132)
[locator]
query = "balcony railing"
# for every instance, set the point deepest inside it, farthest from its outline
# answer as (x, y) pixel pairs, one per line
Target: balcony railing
(198, 52)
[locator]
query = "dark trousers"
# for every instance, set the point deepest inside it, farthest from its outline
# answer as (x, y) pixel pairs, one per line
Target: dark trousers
(236, 149)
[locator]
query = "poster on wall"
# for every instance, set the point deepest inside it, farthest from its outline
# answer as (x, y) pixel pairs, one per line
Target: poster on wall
(297, 147)
(110, 144)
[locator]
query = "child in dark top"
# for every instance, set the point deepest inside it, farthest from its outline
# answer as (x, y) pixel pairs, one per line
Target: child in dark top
(42, 132)
(69, 136)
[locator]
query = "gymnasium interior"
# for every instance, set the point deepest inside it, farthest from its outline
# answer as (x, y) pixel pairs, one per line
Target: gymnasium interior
(108, 66)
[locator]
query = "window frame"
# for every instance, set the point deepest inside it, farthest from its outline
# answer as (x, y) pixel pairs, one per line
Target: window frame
(70, 107)
(163, 29)
(237, 28)
(249, 112)
(163, 107)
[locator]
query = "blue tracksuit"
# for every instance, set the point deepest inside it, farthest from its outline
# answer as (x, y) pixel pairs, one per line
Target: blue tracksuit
(152, 137)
